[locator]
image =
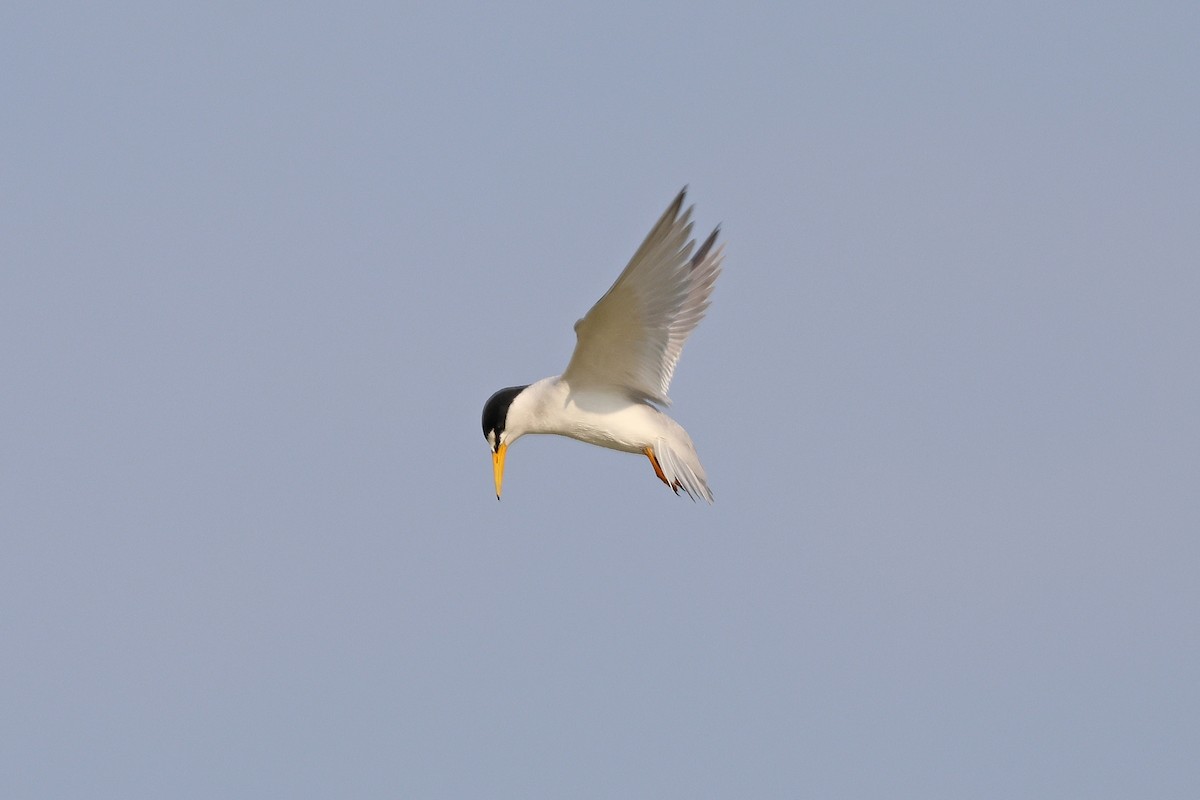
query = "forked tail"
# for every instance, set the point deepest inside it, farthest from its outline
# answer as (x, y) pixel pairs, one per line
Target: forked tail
(682, 471)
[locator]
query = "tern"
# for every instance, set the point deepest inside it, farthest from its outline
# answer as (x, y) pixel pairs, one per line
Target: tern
(626, 349)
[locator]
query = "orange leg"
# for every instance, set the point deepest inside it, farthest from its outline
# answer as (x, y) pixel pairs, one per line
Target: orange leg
(658, 470)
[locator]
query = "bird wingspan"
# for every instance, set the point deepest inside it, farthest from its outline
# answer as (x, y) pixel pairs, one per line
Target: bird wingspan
(634, 334)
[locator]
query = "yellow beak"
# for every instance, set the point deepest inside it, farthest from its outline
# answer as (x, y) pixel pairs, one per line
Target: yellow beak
(498, 466)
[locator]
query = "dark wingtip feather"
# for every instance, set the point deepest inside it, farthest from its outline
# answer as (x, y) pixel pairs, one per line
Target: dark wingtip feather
(704, 248)
(673, 210)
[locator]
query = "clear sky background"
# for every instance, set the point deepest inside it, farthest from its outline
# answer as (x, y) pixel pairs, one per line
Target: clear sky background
(262, 264)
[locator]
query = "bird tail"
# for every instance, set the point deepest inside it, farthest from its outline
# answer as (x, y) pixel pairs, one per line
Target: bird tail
(683, 470)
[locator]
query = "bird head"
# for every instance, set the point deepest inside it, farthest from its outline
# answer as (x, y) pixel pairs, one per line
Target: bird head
(495, 416)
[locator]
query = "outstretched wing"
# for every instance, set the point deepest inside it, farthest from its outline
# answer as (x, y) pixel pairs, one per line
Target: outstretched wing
(633, 336)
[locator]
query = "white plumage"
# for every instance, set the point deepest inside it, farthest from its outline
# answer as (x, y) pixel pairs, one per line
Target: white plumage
(625, 355)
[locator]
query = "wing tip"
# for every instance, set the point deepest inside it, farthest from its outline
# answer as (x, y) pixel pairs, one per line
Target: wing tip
(702, 253)
(676, 204)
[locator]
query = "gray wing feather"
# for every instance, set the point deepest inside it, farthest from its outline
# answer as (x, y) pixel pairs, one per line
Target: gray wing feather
(634, 335)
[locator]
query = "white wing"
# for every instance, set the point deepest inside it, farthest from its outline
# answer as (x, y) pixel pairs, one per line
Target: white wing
(633, 336)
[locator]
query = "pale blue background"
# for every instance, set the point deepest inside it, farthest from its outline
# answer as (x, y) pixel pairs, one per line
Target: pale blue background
(263, 263)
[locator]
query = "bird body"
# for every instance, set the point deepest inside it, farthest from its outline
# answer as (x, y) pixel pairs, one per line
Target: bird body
(607, 419)
(627, 348)
(596, 417)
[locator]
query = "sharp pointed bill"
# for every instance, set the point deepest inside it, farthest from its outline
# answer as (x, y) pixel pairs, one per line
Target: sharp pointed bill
(626, 350)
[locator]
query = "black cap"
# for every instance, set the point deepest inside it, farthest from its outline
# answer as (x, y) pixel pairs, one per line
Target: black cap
(495, 410)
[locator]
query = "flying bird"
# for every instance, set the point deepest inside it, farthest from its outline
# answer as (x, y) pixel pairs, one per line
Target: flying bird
(615, 385)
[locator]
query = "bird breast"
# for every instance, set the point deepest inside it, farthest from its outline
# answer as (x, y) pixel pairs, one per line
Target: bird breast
(604, 418)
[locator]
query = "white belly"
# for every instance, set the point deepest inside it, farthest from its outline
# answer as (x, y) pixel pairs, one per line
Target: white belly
(600, 418)
(610, 421)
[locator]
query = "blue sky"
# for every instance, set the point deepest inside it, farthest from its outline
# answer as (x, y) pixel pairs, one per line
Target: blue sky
(265, 262)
